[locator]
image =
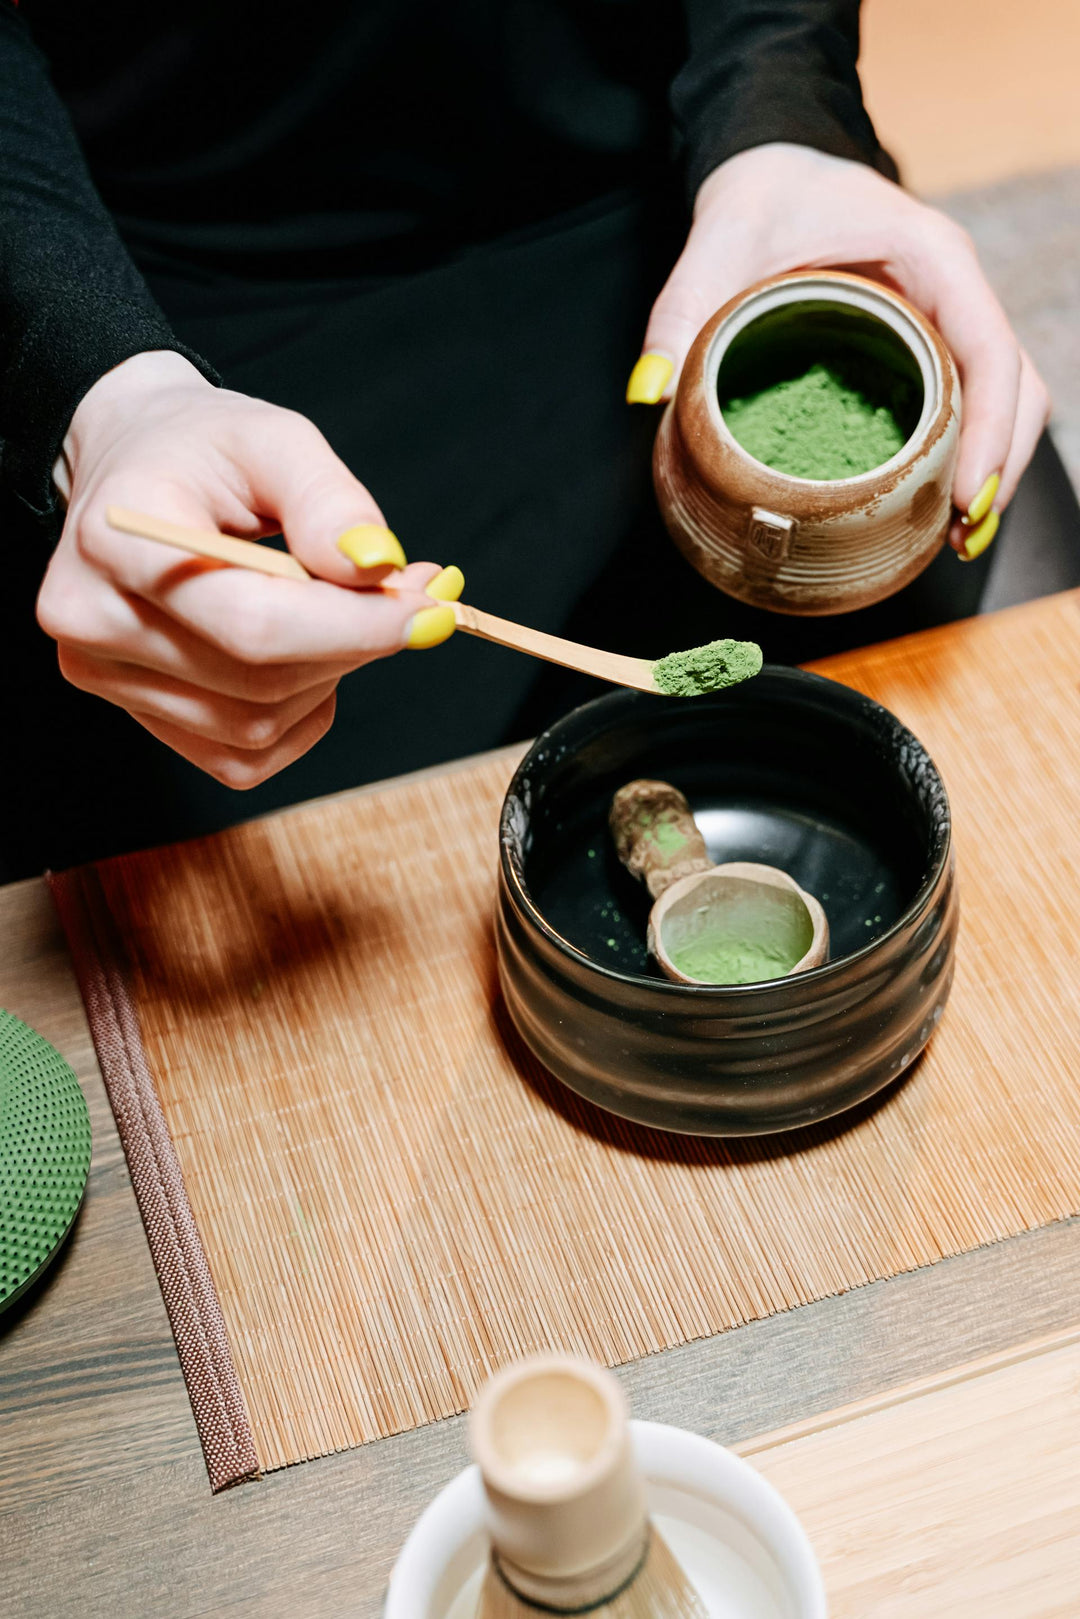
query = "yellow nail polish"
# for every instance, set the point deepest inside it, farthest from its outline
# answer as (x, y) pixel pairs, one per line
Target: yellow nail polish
(981, 536)
(430, 627)
(984, 500)
(446, 586)
(371, 546)
(648, 379)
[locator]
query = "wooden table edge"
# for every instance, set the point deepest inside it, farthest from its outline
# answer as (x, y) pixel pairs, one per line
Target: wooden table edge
(916, 1389)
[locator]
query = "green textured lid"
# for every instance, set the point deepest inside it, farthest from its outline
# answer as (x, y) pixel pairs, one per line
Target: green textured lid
(44, 1154)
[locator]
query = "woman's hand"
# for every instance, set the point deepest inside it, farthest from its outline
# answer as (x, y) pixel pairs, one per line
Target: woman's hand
(782, 207)
(234, 670)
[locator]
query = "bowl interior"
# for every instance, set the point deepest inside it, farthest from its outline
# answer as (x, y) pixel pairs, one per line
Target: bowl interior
(733, 1572)
(788, 769)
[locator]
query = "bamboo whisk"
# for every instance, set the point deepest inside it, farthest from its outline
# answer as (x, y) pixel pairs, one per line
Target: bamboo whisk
(566, 1503)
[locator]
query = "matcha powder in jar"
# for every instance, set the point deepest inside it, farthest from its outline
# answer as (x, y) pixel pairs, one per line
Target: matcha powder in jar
(820, 425)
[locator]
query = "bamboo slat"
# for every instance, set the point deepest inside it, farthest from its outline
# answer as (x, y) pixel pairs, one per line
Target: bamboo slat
(395, 1199)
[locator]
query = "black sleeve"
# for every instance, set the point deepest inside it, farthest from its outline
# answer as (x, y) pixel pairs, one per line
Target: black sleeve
(772, 70)
(72, 303)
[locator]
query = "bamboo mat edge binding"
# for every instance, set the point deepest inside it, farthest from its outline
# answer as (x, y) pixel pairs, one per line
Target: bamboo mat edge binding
(187, 1287)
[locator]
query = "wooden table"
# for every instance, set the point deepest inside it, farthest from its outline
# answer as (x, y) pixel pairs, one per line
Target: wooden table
(104, 1503)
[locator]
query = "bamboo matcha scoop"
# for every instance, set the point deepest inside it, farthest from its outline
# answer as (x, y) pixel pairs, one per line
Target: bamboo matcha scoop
(689, 674)
(738, 923)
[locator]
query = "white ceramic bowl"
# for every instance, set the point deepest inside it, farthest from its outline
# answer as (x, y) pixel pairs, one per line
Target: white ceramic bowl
(738, 1540)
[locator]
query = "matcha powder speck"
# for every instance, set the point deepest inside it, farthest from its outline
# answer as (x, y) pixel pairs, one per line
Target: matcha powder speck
(815, 426)
(707, 668)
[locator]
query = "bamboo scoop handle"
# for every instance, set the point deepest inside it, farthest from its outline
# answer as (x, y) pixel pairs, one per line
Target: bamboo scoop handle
(612, 666)
(207, 542)
(655, 834)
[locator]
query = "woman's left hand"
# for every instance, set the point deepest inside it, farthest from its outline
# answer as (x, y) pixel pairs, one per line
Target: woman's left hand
(781, 207)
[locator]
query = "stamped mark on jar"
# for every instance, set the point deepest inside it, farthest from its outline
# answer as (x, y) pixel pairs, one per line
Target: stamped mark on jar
(769, 534)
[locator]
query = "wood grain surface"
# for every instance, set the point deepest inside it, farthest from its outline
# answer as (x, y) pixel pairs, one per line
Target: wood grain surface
(395, 1199)
(957, 1494)
(104, 1507)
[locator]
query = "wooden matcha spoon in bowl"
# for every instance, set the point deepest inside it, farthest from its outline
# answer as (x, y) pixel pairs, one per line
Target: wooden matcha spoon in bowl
(690, 673)
(737, 923)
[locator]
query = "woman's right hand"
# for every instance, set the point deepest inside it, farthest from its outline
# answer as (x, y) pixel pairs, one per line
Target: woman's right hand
(235, 670)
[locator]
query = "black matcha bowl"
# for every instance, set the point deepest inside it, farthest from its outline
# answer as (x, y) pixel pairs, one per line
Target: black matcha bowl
(789, 769)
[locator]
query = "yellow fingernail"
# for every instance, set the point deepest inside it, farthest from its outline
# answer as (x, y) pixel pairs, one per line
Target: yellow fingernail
(980, 536)
(371, 546)
(648, 379)
(446, 586)
(429, 627)
(984, 500)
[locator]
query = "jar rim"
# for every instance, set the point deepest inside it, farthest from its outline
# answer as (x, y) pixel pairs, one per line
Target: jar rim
(701, 426)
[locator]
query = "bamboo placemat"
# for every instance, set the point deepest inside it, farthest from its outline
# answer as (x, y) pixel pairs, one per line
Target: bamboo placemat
(956, 1497)
(393, 1198)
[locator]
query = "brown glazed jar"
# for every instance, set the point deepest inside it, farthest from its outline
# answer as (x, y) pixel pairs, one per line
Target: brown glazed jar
(797, 545)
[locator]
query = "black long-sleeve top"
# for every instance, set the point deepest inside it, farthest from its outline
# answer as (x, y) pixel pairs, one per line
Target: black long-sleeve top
(350, 137)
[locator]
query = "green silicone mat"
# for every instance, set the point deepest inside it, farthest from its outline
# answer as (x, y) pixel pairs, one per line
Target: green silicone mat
(44, 1154)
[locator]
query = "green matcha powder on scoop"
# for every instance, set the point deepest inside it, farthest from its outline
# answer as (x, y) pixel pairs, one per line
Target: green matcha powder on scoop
(706, 668)
(820, 426)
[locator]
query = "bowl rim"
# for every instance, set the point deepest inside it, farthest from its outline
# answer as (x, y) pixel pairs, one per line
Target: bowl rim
(675, 1458)
(909, 917)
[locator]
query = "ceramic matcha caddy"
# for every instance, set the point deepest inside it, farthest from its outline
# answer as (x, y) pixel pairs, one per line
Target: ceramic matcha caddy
(853, 358)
